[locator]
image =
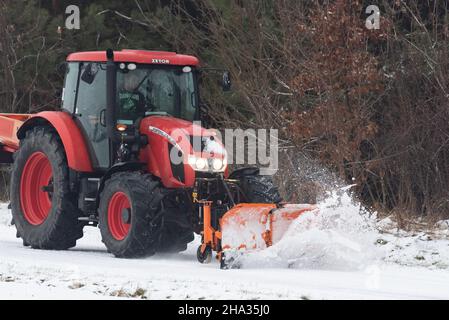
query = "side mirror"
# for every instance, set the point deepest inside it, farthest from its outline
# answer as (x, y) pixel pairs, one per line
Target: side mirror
(226, 81)
(89, 73)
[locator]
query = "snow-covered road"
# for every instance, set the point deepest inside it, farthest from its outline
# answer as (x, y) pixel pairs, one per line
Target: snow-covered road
(89, 272)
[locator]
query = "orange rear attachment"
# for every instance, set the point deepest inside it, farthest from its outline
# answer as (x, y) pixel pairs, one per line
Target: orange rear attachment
(9, 124)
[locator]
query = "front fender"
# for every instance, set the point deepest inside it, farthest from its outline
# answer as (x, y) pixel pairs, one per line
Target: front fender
(119, 167)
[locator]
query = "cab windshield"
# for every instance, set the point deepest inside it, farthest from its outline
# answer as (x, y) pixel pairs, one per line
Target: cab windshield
(145, 90)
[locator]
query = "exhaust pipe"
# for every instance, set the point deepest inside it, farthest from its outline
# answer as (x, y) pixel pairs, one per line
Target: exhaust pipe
(111, 80)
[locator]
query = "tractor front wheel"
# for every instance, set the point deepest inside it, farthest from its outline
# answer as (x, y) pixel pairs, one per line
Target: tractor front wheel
(131, 215)
(259, 189)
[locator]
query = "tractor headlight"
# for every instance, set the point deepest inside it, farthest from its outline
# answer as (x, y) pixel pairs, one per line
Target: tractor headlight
(218, 164)
(201, 164)
(207, 165)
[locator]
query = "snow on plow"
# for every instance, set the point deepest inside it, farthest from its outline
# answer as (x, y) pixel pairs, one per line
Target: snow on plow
(246, 228)
(258, 226)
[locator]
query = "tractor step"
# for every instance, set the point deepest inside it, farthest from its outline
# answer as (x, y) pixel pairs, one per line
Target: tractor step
(91, 220)
(88, 195)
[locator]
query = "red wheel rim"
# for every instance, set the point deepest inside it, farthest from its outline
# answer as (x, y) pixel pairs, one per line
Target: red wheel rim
(37, 174)
(117, 225)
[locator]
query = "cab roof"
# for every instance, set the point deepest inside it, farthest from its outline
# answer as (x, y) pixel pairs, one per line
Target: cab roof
(136, 56)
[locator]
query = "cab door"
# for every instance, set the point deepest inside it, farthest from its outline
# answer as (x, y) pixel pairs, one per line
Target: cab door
(90, 109)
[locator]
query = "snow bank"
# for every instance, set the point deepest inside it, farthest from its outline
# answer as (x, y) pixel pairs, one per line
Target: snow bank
(428, 249)
(340, 237)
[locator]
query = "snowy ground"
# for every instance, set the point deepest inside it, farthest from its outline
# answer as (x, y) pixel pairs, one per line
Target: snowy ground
(340, 255)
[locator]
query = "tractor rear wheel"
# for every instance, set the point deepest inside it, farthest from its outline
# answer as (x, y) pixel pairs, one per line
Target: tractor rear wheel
(130, 214)
(43, 208)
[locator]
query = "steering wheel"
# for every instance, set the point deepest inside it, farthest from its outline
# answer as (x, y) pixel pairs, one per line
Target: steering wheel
(136, 90)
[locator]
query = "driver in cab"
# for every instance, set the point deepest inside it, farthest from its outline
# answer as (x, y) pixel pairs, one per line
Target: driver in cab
(131, 101)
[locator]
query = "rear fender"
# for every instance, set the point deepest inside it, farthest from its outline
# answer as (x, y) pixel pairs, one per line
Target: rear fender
(75, 146)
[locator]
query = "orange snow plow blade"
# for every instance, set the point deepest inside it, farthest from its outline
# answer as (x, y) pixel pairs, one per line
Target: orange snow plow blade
(258, 226)
(246, 227)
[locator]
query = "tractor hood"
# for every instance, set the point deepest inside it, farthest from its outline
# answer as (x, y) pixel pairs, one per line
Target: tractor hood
(178, 150)
(187, 136)
(172, 126)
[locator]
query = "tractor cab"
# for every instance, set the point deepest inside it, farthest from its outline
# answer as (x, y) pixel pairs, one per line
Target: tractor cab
(109, 96)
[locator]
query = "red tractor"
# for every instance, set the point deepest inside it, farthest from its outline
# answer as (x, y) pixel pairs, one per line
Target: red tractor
(124, 154)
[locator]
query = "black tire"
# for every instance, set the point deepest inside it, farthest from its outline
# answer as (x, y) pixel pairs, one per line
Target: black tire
(259, 189)
(144, 195)
(174, 242)
(175, 234)
(61, 228)
(204, 257)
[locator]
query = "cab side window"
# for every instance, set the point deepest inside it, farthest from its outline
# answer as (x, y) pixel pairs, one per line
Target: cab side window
(70, 83)
(92, 89)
